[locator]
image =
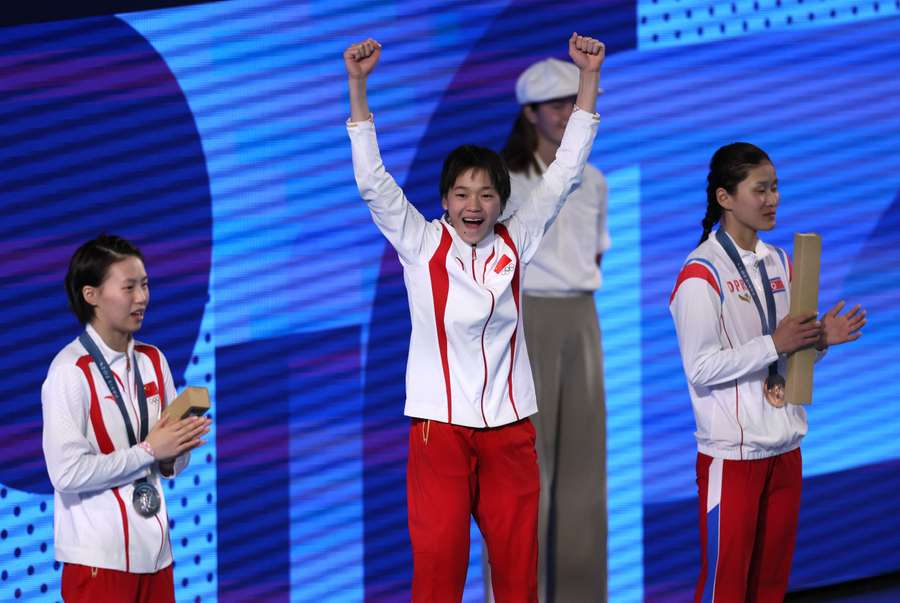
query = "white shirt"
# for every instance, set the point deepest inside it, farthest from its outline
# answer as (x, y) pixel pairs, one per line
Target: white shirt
(726, 356)
(93, 515)
(566, 262)
(468, 364)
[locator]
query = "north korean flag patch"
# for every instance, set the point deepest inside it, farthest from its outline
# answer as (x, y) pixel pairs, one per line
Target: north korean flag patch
(777, 284)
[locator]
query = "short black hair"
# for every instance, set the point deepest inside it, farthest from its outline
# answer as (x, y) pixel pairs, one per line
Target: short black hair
(88, 268)
(470, 156)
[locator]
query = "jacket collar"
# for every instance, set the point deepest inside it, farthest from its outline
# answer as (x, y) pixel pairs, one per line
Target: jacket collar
(109, 354)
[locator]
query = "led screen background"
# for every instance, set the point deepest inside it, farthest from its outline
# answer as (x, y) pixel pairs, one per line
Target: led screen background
(213, 136)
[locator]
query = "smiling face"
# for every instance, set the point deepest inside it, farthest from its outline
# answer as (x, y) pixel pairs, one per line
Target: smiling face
(753, 205)
(121, 299)
(473, 205)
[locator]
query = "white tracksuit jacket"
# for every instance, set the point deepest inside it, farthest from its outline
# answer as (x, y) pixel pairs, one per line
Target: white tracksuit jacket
(468, 364)
(91, 464)
(726, 356)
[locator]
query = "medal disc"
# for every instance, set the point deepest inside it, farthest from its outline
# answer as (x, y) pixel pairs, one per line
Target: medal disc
(145, 499)
(773, 390)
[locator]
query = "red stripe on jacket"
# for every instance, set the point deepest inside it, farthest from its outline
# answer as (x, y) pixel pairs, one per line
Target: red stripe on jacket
(440, 287)
(502, 231)
(153, 354)
(695, 270)
(105, 443)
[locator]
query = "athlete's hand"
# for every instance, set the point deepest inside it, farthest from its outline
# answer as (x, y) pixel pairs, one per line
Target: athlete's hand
(360, 58)
(840, 328)
(169, 438)
(796, 332)
(587, 53)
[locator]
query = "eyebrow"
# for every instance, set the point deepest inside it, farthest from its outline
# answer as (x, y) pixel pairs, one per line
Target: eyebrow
(466, 188)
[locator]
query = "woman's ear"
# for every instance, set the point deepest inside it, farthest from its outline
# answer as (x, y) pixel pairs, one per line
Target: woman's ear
(723, 198)
(530, 114)
(90, 294)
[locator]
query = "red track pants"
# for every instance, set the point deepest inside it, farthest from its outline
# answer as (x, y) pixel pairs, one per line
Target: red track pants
(455, 472)
(748, 527)
(82, 584)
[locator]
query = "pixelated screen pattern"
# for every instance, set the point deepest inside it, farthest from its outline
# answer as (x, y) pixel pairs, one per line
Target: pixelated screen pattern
(213, 136)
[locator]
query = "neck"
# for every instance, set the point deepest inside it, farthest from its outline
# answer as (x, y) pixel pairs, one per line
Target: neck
(116, 340)
(546, 150)
(744, 237)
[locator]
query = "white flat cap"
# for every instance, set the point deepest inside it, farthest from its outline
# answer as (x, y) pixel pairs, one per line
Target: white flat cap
(547, 80)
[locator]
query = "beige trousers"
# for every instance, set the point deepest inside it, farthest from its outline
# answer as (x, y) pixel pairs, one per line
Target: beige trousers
(563, 336)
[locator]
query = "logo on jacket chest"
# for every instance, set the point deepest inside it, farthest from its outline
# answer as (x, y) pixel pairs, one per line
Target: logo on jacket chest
(739, 287)
(505, 265)
(151, 391)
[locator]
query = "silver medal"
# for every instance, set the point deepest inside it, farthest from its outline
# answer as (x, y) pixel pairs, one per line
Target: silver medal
(145, 499)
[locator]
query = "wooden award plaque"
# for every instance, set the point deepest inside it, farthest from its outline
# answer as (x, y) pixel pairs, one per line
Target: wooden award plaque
(192, 401)
(804, 299)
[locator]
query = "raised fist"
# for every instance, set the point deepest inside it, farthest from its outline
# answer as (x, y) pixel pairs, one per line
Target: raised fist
(587, 53)
(361, 58)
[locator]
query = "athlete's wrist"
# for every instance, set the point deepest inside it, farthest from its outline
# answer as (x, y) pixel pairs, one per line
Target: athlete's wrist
(145, 445)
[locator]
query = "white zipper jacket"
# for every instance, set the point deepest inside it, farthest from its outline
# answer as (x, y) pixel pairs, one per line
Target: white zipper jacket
(468, 364)
(91, 464)
(726, 356)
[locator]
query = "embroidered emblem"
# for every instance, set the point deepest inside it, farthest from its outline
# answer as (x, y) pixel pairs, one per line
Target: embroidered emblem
(504, 265)
(152, 393)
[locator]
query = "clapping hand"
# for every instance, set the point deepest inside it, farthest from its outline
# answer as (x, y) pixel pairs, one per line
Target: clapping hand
(840, 328)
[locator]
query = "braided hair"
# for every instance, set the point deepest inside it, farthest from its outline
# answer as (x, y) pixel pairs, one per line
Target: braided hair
(728, 168)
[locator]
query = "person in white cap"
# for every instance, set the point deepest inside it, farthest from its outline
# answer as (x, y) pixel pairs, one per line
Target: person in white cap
(563, 334)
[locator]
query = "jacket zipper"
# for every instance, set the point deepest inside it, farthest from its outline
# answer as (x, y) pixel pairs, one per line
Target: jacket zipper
(483, 352)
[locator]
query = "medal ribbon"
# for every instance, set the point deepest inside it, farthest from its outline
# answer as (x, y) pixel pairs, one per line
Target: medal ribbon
(768, 322)
(146, 499)
(94, 351)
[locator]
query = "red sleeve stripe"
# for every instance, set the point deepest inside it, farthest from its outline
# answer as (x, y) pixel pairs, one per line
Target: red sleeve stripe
(696, 270)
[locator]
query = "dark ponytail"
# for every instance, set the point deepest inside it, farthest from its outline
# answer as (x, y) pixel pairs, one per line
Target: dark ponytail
(521, 145)
(728, 168)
